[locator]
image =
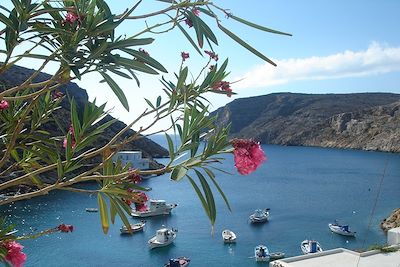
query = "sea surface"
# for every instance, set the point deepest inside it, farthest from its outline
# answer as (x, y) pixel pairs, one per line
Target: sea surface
(305, 188)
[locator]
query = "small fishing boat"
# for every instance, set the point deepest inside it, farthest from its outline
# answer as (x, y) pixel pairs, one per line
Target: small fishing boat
(259, 216)
(92, 209)
(156, 207)
(310, 246)
(341, 229)
(134, 228)
(276, 255)
(228, 236)
(178, 262)
(261, 253)
(163, 237)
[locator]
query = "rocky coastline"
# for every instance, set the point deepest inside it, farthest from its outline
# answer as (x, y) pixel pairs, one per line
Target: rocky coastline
(392, 221)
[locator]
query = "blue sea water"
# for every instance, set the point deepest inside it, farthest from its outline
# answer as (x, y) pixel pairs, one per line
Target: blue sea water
(305, 188)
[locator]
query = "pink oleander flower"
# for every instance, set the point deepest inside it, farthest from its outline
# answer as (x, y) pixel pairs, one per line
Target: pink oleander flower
(65, 228)
(248, 155)
(71, 17)
(55, 95)
(141, 207)
(196, 12)
(212, 55)
(73, 141)
(184, 56)
(134, 177)
(14, 256)
(189, 22)
(223, 86)
(4, 104)
(144, 51)
(142, 197)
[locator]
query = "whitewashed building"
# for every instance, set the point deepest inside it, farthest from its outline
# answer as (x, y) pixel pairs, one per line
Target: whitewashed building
(341, 257)
(134, 158)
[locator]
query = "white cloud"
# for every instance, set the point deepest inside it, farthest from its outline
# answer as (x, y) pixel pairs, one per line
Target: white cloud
(377, 59)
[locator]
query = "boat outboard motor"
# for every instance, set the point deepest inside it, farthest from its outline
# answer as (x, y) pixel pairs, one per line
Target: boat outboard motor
(313, 246)
(174, 263)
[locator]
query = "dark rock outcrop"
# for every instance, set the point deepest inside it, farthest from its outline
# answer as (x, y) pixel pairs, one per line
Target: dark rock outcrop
(392, 221)
(368, 121)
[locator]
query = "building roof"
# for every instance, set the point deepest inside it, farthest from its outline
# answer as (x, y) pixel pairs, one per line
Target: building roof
(341, 257)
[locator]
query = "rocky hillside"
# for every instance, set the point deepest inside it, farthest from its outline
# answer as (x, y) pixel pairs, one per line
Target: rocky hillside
(367, 121)
(16, 75)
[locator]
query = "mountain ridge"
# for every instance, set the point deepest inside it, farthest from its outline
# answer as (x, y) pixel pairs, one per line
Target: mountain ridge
(367, 121)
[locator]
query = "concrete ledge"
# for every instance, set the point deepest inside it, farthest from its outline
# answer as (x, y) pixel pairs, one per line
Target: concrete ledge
(341, 257)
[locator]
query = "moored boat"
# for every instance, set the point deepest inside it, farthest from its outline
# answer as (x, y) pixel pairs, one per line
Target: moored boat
(310, 246)
(157, 207)
(178, 262)
(228, 236)
(261, 253)
(163, 237)
(134, 228)
(276, 255)
(259, 216)
(341, 229)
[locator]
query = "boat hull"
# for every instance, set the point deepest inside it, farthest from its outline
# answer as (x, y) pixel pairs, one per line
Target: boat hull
(153, 243)
(134, 228)
(150, 213)
(261, 253)
(228, 236)
(305, 247)
(276, 255)
(338, 230)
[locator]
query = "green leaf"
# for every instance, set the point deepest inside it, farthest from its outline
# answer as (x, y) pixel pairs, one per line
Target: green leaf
(130, 42)
(209, 196)
(158, 101)
(135, 65)
(145, 59)
(244, 44)
(207, 31)
(103, 213)
(189, 38)
(197, 28)
(178, 173)
(6, 21)
(60, 169)
(116, 89)
(259, 27)
(120, 212)
(212, 177)
(170, 146)
(182, 78)
(200, 195)
(149, 103)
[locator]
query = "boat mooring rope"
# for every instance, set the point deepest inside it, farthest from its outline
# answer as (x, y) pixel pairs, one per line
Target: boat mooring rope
(374, 206)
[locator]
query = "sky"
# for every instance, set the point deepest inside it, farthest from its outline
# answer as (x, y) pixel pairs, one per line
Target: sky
(337, 47)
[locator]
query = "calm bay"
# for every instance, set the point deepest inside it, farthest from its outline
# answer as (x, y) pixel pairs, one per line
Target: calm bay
(305, 188)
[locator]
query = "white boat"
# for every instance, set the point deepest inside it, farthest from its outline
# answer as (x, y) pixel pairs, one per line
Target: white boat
(134, 228)
(163, 237)
(310, 246)
(276, 255)
(341, 229)
(156, 207)
(259, 216)
(178, 262)
(261, 253)
(228, 236)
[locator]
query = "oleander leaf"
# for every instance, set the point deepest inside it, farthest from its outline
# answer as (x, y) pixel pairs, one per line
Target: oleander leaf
(244, 44)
